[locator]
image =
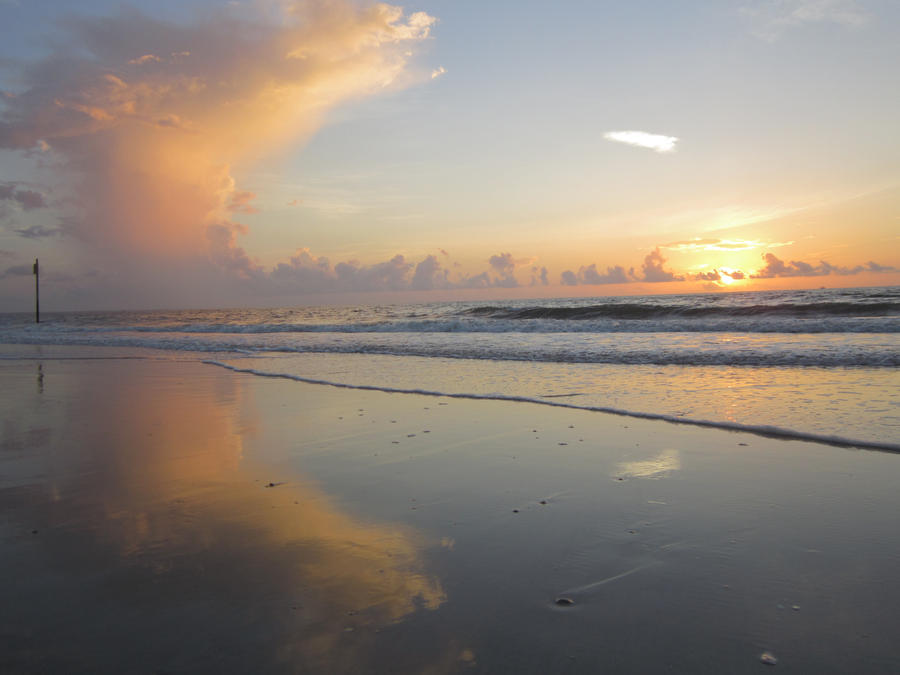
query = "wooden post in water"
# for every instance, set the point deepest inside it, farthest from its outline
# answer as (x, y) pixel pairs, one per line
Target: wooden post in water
(37, 293)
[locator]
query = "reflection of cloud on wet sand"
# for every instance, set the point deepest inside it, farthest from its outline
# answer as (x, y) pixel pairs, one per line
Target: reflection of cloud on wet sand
(660, 465)
(159, 503)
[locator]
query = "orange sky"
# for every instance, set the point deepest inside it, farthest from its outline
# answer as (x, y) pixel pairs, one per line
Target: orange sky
(276, 153)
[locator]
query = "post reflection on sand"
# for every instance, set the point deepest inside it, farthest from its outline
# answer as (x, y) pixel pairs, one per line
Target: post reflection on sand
(149, 488)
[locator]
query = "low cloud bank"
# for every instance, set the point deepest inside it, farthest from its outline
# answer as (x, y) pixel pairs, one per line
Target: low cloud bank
(653, 270)
(797, 268)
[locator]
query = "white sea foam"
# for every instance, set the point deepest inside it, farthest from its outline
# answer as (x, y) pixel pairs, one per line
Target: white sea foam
(820, 361)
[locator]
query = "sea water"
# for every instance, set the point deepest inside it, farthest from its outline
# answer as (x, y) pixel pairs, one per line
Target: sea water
(818, 364)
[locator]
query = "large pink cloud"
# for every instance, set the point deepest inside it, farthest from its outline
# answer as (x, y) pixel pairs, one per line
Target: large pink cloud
(147, 121)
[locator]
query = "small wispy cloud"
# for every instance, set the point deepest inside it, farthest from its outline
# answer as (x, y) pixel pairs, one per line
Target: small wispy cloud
(698, 244)
(770, 18)
(642, 139)
(437, 72)
(146, 58)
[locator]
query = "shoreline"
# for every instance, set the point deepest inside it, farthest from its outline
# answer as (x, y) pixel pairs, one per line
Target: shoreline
(766, 431)
(166, 515)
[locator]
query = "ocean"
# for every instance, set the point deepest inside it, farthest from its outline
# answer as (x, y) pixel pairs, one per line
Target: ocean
(812, 364)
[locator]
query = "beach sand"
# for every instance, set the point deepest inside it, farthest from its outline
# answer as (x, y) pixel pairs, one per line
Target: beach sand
(160, 515)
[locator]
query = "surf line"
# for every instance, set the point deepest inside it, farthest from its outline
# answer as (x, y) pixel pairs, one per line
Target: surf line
(757, 430)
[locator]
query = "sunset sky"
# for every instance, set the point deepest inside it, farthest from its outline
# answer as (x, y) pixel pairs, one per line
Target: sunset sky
(281, 152)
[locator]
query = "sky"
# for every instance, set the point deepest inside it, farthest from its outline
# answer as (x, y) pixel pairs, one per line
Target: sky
(288, 152)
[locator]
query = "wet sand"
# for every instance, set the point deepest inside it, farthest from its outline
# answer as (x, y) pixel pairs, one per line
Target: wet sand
(165, 516)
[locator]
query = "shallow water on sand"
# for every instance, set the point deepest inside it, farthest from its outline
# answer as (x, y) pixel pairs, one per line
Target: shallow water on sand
(857, 404)
(166, 516)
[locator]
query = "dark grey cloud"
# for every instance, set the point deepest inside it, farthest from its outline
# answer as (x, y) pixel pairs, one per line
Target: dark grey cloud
(503, 263)
(775, 267)
(590, 276)
(25, 199)
(38, 231)
(653, 270)
(429, 275)
(540, 276)
(307, 273)
(16, 271)
(390, 275)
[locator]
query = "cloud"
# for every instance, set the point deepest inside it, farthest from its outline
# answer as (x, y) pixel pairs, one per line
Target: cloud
(503, 263)
(769, 19)
(699, 244)
(389, 275)
(653, 269)
(707, 276)
(482, 280)
(224, 253)
(27, 200)
(590, 276)
(38, 231)
(148, 119)
(437, 72)
(239, 201)
(875, 267)
(14, 199)
(613, 275)
(308, 273)
(642, 139)
(568, 278)
(797, 268)
(17, 271)
(146, 58)
(429, 275)
(716, 276)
